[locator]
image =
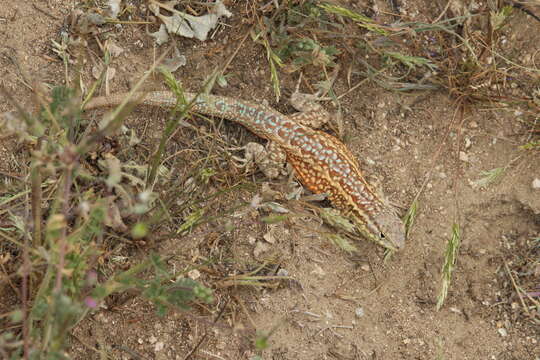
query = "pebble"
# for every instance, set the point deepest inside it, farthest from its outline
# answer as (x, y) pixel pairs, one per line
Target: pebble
(159, 346)
(473, 124)
(359, 312)
(463, 156)
(536, 184)
(502, 332)
(365, 267)
(194, 274)
(282, 272)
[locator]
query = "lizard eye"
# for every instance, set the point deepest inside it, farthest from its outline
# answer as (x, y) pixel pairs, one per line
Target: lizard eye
(381, 235)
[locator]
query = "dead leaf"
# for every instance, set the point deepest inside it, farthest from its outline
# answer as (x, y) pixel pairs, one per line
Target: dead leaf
(187, 25)
(175, 61)
(113, 218)
(113, 48)
(114, 8)
(98, 69)
(161, 36)
(115, 170)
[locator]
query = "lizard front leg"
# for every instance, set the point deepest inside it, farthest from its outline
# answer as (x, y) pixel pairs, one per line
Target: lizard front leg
(311, 113)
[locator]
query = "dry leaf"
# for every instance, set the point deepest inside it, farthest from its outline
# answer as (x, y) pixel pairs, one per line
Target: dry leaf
(161, 36)
(191, 26)
(175, 61)
(114, 8)
(113, 218)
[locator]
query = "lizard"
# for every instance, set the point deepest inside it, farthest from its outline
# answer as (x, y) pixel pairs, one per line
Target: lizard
(322, 163)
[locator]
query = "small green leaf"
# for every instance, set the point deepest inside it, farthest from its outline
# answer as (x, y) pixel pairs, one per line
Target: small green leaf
(16, 316)
(139, 230)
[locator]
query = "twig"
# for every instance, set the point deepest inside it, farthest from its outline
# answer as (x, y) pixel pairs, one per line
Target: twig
(212, 355)
(516, 287)
(206, 333)
(46, 13)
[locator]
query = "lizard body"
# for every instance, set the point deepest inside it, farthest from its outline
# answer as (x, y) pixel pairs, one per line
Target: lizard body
(322, 162)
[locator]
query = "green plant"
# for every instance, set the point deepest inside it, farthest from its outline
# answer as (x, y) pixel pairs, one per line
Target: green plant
(60, 259)
(450, 259)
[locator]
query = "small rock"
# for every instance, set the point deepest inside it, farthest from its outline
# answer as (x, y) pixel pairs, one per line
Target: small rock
(159, 346)
(359, 312)
(365, 267)
(468, 143)
(463, 156)
(152, 339)
(502, 332)
(536, 184)
(455, 310)
(282, 272)
(194, 274)
(473, 124)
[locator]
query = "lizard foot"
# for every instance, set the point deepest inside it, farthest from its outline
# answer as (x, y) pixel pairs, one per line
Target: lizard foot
(270, 161)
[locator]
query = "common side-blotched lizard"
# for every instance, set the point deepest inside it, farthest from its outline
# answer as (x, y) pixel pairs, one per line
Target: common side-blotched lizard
(322, 162)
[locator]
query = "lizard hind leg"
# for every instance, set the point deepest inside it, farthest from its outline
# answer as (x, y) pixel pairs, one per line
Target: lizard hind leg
(274, 164)
(270, 160)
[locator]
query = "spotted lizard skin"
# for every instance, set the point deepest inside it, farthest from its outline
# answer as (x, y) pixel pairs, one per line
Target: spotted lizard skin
(321, 162)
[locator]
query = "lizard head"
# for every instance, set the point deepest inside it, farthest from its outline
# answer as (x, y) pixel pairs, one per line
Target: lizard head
(391, 232)
(385, 228)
